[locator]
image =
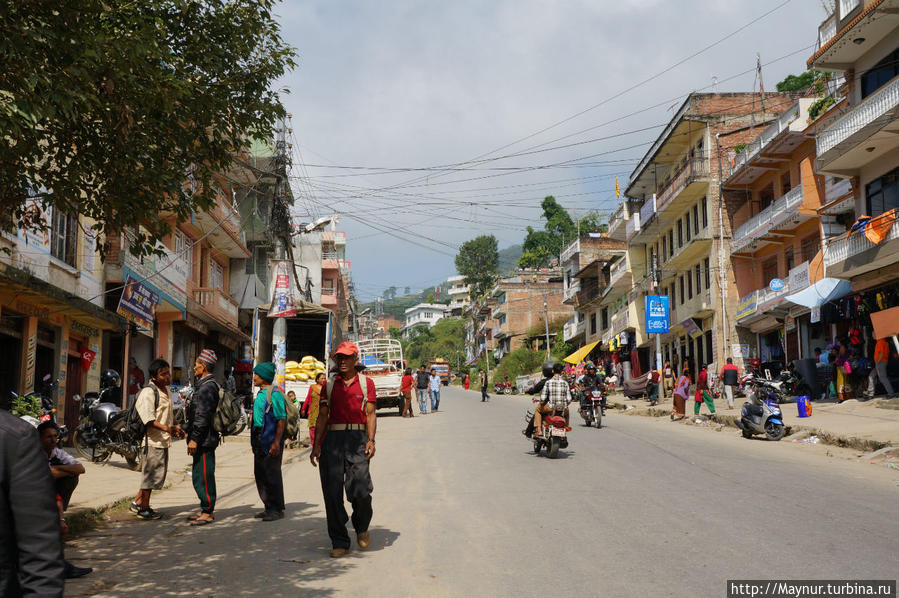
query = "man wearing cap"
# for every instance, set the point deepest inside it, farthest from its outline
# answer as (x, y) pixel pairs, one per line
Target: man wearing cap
(347, 414)
(267, 440)
(202, 438)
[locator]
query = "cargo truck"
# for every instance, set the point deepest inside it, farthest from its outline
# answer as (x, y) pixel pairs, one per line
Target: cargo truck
(382, 360)
(441, 366)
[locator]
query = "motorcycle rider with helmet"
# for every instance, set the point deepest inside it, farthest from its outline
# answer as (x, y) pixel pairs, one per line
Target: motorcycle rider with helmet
(537, 389)
(590, 380)
(555, 396)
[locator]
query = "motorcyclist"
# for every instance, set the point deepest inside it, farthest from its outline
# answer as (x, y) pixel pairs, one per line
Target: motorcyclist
(537, 389)
(590, 380)
(555, 396)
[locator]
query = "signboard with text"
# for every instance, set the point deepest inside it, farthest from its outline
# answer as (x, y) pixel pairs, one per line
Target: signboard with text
(138, 303)
(656, 307)
(283, 302)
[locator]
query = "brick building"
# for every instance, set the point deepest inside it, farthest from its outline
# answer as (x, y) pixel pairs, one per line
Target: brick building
(520, 307)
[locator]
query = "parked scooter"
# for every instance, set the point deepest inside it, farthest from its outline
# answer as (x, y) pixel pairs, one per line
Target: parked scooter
(761, 414)
(100, 431)
(592, 409)
(502, 388)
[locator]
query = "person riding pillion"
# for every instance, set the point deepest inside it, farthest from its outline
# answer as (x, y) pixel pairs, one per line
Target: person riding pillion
(555, 397)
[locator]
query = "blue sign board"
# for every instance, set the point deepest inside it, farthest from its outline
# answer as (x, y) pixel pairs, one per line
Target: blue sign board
(776, 284)
(657, 313)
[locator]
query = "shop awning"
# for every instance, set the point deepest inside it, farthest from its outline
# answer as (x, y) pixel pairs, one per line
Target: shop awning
(578, 356)
(826, 289)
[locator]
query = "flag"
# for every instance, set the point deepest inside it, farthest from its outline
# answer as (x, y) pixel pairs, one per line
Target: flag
(617, 188)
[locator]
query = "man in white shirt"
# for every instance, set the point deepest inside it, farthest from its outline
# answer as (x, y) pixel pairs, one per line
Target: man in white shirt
(63, 466)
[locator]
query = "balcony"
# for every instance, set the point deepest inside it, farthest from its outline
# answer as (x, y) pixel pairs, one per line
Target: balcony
(573, 329)
(498, 310)
(337, 237)
(848, 256)
(571, 250)
(839, 50)
(222, 224)
(788, 121)
(867, 132)
(777, 214)
(329, 297)
(696, 170)
(463, 290)
(700, 306)
(330, 260)
(698, 246)
(633, 226)
(648, 210)
(217, 304)
(618, 222)
(588, 293)
(620, 274)
(574, 285)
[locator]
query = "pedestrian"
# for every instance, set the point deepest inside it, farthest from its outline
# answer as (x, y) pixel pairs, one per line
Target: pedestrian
(702, 392)
(406, 391)
(154, 406)
(482, 380)
(465, 381)
(65, 469)
(668, 379)
(435, 383)
(843, 371)
(881, 359)
(202, 438)
(310, 405)
(679, 401)
(135, 380)
(267, 441)
(345, 451)
(421, 386)
(652, 387)
(730, 377)
(31, 561)
(292, 440)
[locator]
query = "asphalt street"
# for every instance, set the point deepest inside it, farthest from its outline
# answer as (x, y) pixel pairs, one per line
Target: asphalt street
(641, 507)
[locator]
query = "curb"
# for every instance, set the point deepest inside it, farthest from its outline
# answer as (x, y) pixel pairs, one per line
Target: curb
(825, 437)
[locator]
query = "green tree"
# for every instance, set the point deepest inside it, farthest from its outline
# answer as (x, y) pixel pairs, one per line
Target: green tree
(478, 261)
(114, 109)
(541, 246)
(799, 82)
(406, 290)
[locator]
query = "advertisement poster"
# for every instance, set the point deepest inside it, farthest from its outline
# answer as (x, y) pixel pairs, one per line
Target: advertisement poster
(690, 327)
(138, 303)
(657, 313)
(283, 303)
(746, 306)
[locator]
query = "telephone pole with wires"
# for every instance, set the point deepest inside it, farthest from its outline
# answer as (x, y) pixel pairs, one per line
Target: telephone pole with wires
(280, 229)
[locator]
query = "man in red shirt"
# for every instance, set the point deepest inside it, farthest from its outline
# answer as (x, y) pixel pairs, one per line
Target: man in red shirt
(730, 377)
(345, 446)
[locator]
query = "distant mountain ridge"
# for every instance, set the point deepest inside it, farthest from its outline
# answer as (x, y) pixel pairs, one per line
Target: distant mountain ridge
(508, 258)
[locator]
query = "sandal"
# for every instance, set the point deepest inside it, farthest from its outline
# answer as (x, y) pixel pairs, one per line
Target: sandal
(194, 516)
(201, 521)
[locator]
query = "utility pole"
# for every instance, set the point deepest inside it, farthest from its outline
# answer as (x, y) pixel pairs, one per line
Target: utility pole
(656, 281)
(546, 322)
(280, 228)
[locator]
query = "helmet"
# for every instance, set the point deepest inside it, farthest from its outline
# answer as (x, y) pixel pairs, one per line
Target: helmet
(589, 366)
(548, 369)
(110, 379)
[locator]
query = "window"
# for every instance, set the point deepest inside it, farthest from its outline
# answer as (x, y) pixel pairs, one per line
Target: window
(63, 236)
(184, 250)
(705, 212)
(878, 75)
(216, 275)
(785, 183)
(769, 270)
(593, 323)
(847, 6)
(687, 226)
(664, 248)
(708, 275)
(790, 259)
(682, 290)
(809, 248)
(696, 218)
(680, 234)
(766, 197)
(698, 279)
(689, 284)
(604, 314)
(882, 195)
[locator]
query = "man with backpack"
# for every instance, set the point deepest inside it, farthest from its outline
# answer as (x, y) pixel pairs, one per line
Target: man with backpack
(267, 440)
(202, 438)
(154, 406)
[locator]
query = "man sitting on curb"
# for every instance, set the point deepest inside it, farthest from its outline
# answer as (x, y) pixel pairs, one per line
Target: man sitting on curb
(64, 468)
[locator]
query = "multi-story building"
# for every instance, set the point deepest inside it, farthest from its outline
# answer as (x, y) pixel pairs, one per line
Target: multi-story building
(479, 327)
(459, 294)
(423, 314)
(678, 228)
(772, 200)
(857, 143)
(522, 302)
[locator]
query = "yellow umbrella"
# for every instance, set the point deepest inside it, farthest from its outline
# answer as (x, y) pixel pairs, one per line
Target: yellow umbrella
(579, 355)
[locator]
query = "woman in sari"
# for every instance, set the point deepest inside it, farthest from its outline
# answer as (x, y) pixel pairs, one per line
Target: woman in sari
(681, 390)
(310, 405)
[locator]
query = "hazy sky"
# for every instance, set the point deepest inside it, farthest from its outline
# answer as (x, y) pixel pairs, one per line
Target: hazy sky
(439, 109)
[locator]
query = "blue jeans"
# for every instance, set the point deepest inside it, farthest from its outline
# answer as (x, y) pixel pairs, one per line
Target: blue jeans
(484, 396)
(435, 399)
(422, 400)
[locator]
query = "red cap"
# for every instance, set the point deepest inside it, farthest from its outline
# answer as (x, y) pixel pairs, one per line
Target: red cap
(346, 348)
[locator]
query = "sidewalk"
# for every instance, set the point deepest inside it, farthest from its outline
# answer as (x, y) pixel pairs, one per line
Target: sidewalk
(860, 425)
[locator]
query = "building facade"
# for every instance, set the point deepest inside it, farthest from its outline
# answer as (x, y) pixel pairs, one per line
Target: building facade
(423, 314)
(522, 303)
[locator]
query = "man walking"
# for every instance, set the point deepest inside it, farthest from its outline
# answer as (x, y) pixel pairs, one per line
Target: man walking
(154, 405)
(730, 377)
(482, 380)
(202, 438)
(434, 383)
(881, 359)
(267, 439)
(346, 449)
(421, 386)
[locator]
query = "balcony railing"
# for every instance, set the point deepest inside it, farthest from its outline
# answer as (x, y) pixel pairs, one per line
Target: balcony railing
(762, 222)
(619, 218)
(648, 210)
(617, 271)
(842, 248)
(219, 304)
(757, 145)
(573, 287)
(588, 291)
(633, 226)
(871, 108)
(695, 167)
(572, 249)
(572, 329)
(835, 188)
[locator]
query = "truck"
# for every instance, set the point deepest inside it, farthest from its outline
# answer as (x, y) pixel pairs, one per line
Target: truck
(441, 366)
(382, 360)
(313, 331)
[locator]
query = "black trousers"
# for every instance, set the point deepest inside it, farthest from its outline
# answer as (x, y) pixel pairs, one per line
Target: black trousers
(344, 468)
(65, 487)
(269, 483)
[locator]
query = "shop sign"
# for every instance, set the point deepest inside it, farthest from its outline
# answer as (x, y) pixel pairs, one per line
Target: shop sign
(815, 315)
(283, 303)
(789, 323)
(747, 305)
(656, 307)
(690, 327)
(776, 284)
(83, 329)
(799, 277)
(740, 351)
(197, 324)
(138, 303)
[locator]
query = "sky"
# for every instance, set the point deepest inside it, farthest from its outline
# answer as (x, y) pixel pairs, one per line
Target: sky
(426, 124)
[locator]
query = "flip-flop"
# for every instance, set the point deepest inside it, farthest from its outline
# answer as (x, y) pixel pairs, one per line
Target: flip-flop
(194, 516)
(201, 522)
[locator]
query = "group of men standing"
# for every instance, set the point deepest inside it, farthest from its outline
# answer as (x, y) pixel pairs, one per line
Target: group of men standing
(428, 385)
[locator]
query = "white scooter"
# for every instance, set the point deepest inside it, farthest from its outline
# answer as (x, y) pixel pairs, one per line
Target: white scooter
(761, 414)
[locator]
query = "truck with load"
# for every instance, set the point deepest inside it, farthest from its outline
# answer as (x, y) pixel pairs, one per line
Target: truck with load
(382, 361)
(441, 366)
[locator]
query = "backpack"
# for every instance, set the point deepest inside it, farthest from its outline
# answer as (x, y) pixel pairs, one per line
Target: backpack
(133, 425)
(229, 418)
(292, 423)
(363, 382)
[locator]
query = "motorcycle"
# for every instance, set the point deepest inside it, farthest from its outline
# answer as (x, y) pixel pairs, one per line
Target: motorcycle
(502, 388)
(100, 431)
(554, 436)
(593, 407)
(761, 414)
(37, 408)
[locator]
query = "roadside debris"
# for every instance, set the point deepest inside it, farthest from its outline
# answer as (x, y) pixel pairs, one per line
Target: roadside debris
(807, 440)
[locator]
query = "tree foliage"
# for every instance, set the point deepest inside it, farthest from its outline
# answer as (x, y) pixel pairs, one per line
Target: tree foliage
(478, 262)
(799, 82)
(113, 109)
(541, 246)
(445, 340)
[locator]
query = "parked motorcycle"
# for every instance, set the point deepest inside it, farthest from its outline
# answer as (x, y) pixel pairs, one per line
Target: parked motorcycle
(761, 414)
(100, 431)
(592, 407)
(502, 388)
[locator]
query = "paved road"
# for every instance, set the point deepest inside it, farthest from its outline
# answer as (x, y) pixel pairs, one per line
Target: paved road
(643, 507)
